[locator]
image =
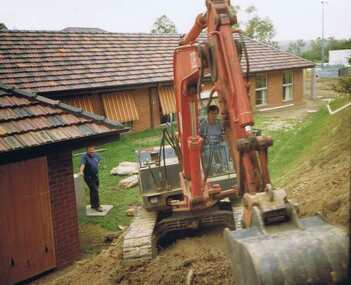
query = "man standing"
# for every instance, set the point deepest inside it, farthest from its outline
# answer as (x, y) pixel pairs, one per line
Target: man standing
(89, 167)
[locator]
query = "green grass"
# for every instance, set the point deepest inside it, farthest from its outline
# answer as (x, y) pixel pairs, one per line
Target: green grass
(110, 193)
(289, 147)
(340, 101)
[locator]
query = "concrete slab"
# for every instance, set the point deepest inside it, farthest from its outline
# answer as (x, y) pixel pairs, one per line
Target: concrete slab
(92, 213)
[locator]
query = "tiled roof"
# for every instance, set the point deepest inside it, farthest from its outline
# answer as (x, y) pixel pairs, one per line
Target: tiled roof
(29, 120)
(58, 61)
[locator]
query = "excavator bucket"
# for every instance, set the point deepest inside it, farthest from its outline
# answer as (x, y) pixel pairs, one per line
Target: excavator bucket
(305, 251)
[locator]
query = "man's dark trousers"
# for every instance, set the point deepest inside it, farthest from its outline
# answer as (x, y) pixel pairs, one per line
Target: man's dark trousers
(93, 184)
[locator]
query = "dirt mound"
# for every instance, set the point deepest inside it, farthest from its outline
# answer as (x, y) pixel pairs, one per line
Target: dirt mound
(203, 254)
(321, 183)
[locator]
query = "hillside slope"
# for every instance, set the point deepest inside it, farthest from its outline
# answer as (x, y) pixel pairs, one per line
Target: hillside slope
(320, 179)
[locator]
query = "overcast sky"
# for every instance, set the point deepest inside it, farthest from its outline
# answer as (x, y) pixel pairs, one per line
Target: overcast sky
(293, 19)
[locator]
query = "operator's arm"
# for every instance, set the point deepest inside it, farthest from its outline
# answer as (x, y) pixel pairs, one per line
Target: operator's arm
(82, 164)
(81, 170)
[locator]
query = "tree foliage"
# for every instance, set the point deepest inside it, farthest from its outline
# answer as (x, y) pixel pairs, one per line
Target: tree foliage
(297, 47)
(3, 27)
(343, 86)
(261, 29)
(163, 25)
(314, 51)
(256, 27)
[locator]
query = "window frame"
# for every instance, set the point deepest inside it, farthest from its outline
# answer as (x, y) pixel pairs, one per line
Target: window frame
(288, 85)
(265, 101)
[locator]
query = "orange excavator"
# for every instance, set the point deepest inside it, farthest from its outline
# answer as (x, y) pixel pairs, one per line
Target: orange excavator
(267, 242)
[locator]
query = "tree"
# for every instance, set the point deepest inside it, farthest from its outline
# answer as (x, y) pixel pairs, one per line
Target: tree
(343, 86)
(297, 47)
(163, 25)
(260, 29)
(3, 27)
(314, 52)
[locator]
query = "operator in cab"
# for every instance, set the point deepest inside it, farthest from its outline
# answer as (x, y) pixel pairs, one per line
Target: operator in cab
(215, 156)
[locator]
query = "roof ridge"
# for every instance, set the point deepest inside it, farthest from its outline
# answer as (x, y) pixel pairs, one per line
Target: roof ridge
(61, 105)
(87, 32)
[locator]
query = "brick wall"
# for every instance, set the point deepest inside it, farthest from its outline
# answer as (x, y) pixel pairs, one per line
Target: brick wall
(275, 88)
(63, 207)
(142, 102)
(298, 91)
(252, 92)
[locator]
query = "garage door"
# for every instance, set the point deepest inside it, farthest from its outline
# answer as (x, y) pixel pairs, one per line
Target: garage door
(26, 234)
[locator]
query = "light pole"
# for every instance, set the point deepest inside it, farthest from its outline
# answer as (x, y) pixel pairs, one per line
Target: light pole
(322, 42)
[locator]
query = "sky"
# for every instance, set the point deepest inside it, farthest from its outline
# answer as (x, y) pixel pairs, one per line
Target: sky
(292, 19)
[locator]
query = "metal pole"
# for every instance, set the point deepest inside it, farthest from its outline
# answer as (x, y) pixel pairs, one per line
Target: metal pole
(322, 42)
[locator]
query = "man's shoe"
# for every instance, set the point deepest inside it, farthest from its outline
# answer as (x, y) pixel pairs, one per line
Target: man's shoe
(99, 209)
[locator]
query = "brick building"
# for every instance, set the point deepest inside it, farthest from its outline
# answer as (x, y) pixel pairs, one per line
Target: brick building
(128, 77)
(38, 217)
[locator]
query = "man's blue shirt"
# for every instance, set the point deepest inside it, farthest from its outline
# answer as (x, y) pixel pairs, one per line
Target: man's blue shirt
(91, 163)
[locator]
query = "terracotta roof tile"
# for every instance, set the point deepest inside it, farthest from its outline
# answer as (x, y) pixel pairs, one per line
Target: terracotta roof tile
(27, 120)
(58, 61)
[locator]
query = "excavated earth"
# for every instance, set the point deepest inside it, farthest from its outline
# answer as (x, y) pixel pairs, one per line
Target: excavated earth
(320, 184)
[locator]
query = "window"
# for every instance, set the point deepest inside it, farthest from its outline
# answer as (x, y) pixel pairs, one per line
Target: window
(261, 89)
(287, 86)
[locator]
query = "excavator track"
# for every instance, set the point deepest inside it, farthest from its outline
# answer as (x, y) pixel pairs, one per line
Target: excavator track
(139, 243)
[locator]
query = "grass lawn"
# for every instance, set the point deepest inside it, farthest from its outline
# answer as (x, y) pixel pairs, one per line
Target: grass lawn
(340, 101)
(289, 146)
(116, 152)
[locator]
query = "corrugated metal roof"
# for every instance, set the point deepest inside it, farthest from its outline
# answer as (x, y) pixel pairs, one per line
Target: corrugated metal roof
(58, 61)
(28, 120)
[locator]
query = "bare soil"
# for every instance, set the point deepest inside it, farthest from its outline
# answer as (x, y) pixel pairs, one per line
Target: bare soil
(203, 254)
(321, 183)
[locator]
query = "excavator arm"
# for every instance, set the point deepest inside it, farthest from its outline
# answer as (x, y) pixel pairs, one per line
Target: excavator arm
(220, 56)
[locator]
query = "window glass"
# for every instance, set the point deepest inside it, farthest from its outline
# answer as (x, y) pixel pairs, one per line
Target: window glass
(261, 97)
(287, 86)
(261, 81)
(287, 77)
(261, 89)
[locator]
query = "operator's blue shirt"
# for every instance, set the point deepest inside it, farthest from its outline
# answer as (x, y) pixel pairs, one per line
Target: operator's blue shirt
(211, 133)
(91, 163)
